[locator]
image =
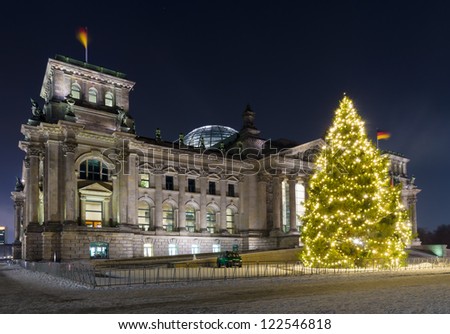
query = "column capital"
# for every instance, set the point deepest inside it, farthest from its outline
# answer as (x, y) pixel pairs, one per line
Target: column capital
(34, 151)
(264, 177)
(69, 147)
(292, 178)
(18, 197)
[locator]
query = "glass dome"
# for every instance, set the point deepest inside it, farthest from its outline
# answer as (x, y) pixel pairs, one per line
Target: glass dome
(211, 134)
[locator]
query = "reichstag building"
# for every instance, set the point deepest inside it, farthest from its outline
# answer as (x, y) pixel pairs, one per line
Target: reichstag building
(91, 187)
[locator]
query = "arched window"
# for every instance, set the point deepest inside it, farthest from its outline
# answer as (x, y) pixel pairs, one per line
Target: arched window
(190, 218)
(92, 95)
(75, 91)
(231, 226)
(94, 170)
(109, 99)
(144, 219)
(211, 220)
(168, 217)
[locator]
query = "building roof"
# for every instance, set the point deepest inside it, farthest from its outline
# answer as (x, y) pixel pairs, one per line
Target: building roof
(92, 67)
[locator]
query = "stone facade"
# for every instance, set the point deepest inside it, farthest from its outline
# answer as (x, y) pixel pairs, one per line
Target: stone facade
(91, 187)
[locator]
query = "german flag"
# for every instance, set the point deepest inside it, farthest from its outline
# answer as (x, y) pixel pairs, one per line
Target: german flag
(383, 135)
(82, 36)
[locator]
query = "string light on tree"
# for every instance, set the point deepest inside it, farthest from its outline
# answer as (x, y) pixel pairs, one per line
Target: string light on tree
(353, 216)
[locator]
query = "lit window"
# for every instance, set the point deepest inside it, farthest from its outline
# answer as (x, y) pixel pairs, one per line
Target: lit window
(75, 91)
(190, 218)
(94, 170)
(94, 214)
(148, 250)
(109, 99)
(144, 180)
(92, 95)
(216, 248)
(195, 249)
(144, 215)
(211, 220)
(230, 221)
(168, 217)
(173, 249)
(99, 250)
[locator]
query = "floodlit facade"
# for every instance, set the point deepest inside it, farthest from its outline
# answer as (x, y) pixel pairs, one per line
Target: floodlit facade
(91, 187)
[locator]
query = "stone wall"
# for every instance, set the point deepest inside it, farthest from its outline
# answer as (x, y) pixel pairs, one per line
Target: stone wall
(73, 243)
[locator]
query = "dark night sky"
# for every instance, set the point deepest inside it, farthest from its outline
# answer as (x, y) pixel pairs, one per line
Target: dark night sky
(201, 62)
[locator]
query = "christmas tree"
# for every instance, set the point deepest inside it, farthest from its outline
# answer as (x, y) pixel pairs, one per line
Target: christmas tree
(353, 214)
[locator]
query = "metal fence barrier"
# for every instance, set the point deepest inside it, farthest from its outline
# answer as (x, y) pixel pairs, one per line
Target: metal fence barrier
(88, 275)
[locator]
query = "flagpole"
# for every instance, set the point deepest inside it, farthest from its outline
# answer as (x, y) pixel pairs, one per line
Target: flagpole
(376, 135)
(86, 49)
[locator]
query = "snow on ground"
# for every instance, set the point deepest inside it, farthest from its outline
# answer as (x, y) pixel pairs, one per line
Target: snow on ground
(421, 291)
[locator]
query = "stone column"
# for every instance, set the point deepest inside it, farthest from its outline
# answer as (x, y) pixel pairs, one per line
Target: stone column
(276, 212)
(412, 202)
(253, 205)
(181, 201)
(175, 219)
(413, 213)
(18, 209)
(158, 200)
(83, 210)
(262, 200)
(292, 181)
(132, 186)
(19, 200)
(123, 187)
(18, 214)
(70, 182)
(243, 205)
(32, 183)
(125, 165)
(52, 173)
(203, 202)
(115, 196)
(106, 211)
(223, 206)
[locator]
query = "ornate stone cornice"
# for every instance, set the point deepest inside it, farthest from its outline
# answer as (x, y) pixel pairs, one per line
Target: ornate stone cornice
(96, 137)
(87, 74)
(70, 129)
(52, 131)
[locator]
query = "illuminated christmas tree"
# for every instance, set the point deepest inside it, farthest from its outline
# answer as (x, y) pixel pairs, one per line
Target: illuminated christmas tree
(354, 216)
